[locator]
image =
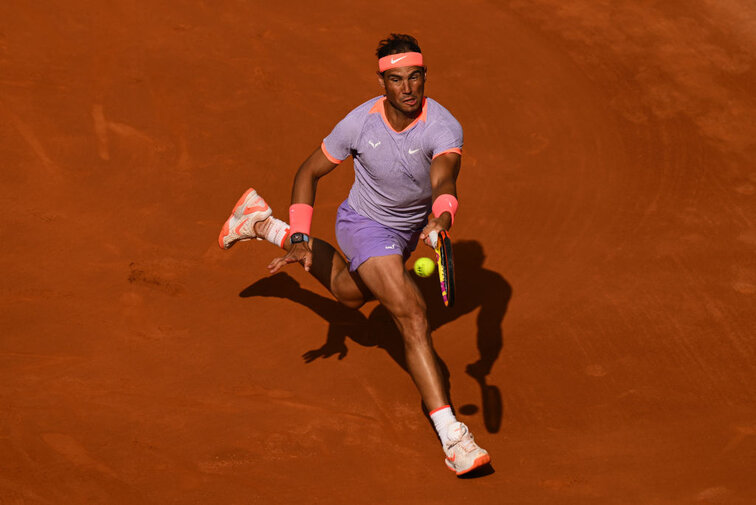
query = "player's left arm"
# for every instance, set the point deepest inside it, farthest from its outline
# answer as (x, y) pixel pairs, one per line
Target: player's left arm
(444, 170)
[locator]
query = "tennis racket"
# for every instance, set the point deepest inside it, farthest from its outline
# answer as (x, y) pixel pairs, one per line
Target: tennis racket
(445, 259)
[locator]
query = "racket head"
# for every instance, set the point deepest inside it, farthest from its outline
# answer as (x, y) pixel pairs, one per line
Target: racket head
(446, 248)
(445, 261)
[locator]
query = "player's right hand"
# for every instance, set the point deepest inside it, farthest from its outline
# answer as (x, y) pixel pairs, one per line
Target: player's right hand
(299, 253)
(435, 225)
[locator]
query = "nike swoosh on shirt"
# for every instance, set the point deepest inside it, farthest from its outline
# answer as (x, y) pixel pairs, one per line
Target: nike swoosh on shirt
(413, 151)
(398, 59)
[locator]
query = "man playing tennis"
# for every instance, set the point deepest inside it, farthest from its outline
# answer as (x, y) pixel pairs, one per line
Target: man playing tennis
(407, 153)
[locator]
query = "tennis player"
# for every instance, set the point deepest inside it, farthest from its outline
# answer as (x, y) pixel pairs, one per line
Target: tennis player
(407, 150)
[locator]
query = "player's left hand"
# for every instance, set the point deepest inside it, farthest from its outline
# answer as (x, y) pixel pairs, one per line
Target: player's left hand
(299, 253)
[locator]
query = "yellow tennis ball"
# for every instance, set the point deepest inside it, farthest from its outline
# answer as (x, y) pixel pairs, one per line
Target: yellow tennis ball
(424, 267)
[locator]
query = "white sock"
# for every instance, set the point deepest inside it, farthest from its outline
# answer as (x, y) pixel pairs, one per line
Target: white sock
(442, 417)
(274, 231)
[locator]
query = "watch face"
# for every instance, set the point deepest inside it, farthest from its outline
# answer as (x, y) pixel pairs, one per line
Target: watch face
(299, 237)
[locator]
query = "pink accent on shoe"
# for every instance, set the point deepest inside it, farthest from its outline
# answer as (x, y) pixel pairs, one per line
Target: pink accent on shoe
(250, 210)
(226, 228)
(243, 197)
(462, 453)
(223, 233)
(238, 228)
(232, 232)
(482, 460)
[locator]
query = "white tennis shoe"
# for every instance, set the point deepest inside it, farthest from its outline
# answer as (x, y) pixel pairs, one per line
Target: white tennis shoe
(249, 210)
(462, 453)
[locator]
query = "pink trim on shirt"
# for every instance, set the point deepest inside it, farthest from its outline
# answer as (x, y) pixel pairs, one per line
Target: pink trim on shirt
(328, 155)
(379, 106)
(452, 150)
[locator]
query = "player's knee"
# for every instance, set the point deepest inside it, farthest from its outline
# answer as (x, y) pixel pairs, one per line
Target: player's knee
(412, 315)
(416, 334)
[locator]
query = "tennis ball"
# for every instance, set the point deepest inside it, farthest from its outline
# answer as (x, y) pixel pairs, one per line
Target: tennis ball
(424, 267)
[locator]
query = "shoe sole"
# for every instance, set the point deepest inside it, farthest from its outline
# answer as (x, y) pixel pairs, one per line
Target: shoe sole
(226, 230)
(479, 461)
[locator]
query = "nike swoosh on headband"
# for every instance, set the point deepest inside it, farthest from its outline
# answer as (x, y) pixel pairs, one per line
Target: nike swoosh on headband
(408, 59)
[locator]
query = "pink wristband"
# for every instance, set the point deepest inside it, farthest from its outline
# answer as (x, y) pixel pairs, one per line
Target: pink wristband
(445, 203)
(300, 218)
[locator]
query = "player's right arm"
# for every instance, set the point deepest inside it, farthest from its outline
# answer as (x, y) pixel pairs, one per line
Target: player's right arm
(306, 180)
(336, 147)
(303, 191)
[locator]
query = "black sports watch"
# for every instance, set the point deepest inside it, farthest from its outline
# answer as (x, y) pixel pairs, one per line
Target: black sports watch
(298, 237)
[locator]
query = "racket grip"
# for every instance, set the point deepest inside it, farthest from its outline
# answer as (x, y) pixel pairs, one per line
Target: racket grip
(433, 236)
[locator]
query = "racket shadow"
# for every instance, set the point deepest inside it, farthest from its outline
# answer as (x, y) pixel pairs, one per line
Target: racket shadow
(487, 292)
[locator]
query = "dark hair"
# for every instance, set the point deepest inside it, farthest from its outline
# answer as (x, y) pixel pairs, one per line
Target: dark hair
(397, 43)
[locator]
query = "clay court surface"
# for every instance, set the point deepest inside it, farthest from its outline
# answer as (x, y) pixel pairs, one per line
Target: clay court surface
(606, 256)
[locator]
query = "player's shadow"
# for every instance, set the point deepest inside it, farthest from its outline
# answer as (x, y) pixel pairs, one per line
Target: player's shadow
(477, 288)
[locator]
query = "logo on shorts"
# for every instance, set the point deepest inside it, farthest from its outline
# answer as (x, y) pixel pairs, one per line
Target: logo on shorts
(392, 246)
(374, 145)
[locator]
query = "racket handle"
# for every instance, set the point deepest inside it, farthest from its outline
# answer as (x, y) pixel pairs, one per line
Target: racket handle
(433, 236)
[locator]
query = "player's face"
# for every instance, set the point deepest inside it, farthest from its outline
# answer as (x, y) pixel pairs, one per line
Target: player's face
(405, 88)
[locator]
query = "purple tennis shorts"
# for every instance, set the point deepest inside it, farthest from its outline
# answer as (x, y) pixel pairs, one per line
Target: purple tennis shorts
(361, 238)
